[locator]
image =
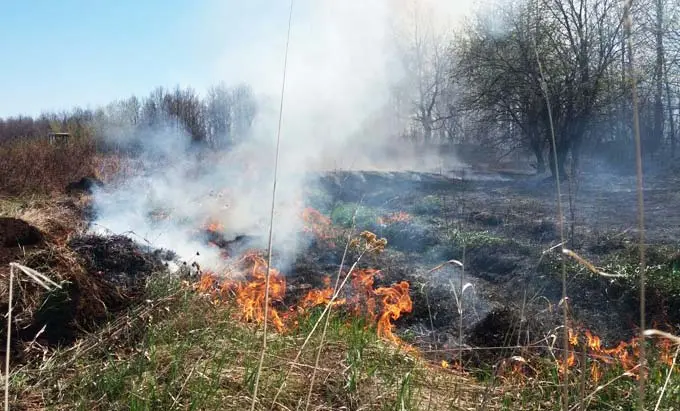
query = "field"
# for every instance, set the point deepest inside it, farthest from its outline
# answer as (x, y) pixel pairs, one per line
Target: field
(458, 308)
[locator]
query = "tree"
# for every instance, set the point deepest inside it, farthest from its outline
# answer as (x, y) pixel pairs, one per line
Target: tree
(422, 50)
(553, 53)
(218, 115)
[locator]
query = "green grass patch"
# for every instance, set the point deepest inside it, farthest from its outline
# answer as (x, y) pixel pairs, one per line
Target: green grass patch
(344, 214)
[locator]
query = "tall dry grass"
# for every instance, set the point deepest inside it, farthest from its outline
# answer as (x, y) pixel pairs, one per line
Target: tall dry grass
(32, 165)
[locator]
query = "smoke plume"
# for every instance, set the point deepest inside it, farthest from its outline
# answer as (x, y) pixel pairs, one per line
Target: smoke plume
(337, 114)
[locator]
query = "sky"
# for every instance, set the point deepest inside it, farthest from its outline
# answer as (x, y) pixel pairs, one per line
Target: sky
(67, 53)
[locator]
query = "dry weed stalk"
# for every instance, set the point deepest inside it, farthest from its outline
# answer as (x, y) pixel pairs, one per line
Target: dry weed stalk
(41, 280)
(560, 217)
(271, 217)
(668, 375)
(628, 26)
(326, 321)
(589, 265)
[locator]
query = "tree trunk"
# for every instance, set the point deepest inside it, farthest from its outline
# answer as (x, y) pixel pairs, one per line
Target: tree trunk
(427, 132)
(562, 151)
(540, 159)
(657, 131)
(575, 159)
(671, 120)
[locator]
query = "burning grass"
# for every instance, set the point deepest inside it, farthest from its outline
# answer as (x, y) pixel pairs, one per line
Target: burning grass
(191, 355)
(380, 305)
(188, 349)
(180, 350)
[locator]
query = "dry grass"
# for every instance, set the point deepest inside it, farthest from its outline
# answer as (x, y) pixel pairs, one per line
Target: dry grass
(84, 300)
(57, 217)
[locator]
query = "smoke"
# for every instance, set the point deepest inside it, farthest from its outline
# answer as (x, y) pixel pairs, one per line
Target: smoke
(337, 114)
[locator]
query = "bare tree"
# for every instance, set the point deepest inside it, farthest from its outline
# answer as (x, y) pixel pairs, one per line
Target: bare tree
(425, 58)
(575, 41)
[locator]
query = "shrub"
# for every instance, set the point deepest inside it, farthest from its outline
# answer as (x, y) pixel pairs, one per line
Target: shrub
(32, 165)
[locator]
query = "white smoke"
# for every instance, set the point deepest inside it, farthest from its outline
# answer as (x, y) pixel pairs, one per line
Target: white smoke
(336, 115)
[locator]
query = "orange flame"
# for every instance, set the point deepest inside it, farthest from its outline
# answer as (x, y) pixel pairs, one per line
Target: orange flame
(398, 217)
(573, 338)
(364, 296)
(206, 282)
(320, 297)
(625, 354)
(319, 225)
(396, 301)
(594, 342)
(213, 226)
(564, 367)
(595, 372)
(250, 295)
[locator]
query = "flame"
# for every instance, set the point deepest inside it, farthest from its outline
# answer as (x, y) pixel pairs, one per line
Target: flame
(398, 217)
(364, 296)
(250, 294)
(595, 372)
(396, 301)
(213, 226)
(573, 338)
(564, 367)
(206, 282)
(593, 342)
(319, 225)
(625, 354)
(320, 297)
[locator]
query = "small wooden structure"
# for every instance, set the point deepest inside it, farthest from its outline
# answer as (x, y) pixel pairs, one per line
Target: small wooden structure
(58, 138)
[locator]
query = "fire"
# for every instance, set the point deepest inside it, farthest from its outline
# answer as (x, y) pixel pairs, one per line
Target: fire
(395, 301)
(593, 342)
(206, 282)
(250, 296)
(381, 305)
(213, 226)
(626, 354)
(320, 297)
(573, 338)
(571, 360)
(319, 225)
(595, 372)
(364, 296)
(398, 217)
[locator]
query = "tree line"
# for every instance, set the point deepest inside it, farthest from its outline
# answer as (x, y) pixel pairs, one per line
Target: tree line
(527, 69)
(509, 79)
(221, 117)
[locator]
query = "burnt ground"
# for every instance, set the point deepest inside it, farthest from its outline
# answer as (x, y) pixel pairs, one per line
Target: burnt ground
(500, 226)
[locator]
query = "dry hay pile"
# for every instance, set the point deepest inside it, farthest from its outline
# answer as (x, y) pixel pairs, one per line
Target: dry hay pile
(99, 276)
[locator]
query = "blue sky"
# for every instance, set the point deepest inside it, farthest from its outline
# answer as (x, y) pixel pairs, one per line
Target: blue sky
(58, 54)
(66, 53)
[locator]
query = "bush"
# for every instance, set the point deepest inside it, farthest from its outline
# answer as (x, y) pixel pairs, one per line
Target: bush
(32, 165)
